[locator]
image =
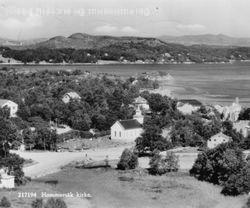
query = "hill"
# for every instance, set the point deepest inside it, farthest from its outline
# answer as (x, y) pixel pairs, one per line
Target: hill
(207, 39)
(86, 41)
(85, 48)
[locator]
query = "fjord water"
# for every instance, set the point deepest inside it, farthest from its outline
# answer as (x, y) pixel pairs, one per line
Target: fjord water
(210, 83)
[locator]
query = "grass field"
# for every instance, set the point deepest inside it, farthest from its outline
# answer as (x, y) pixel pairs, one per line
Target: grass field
(136, 189)
(110, 188)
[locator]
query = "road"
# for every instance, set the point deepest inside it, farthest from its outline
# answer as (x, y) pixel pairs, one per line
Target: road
(51, 162)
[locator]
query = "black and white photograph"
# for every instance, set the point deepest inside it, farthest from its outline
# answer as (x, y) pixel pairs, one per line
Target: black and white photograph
(124, 104)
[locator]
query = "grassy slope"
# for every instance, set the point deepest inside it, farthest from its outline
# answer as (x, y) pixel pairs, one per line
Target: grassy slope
(131, 189)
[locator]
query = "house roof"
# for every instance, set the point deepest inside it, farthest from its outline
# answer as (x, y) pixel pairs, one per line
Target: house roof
(3, 101)
(130, 124)
(191, 102)
(140, 100)
(73, 95)
(220, 135)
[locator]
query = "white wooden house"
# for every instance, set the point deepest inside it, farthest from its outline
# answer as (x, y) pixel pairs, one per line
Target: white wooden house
(217, 139)
(70, 96)
(13, 107)
(141, 103)
(6, 181)
(128, 130)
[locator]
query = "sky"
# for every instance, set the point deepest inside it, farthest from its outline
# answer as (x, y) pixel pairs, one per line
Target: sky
(28, 19)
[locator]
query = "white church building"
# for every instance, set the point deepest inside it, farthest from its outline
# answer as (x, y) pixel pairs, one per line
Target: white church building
(128, 130)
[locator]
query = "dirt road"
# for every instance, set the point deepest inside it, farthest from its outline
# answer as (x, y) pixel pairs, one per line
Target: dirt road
(50, 162)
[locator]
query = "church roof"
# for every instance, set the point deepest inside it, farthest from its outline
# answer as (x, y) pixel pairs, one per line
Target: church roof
(130, 124)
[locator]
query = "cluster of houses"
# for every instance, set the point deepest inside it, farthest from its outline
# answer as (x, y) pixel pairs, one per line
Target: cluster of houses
(129, 130)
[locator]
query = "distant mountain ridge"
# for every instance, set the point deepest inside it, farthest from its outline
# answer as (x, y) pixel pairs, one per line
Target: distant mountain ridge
(86, 41)
(85, 48)
(9, 42)
(207, 39)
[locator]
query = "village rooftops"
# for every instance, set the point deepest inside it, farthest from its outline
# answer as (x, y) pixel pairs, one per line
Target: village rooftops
(130, 124)
(191, 102)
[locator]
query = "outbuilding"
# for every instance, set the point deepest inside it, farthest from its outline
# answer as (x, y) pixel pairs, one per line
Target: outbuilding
(6, 181)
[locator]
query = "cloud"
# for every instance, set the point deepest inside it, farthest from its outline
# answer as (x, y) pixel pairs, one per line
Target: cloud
(191, 27)
(111, 29)
(106, 29)
(129, 30)
(29, 22)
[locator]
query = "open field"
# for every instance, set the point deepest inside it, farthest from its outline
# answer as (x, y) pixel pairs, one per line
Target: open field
(111, 188)
(38, 188)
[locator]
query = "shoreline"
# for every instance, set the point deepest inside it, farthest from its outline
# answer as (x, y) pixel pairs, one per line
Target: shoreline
(119, 63)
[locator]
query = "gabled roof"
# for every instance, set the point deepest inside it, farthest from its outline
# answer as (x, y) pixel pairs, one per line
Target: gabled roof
(130, 124)
(221, 135)
(191, 102)
(140, 100)
(73, 95)
(4, 101)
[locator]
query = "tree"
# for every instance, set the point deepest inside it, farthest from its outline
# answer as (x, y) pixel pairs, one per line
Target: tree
(46, 139)
(5, 202)
(29, 138)
(162, 164)
(55, 203)
(151, 140)
(8, 134)
(238, 183)
(221, 165)
(128, 160)
(14, 163)
(38, 203)
(245, 114)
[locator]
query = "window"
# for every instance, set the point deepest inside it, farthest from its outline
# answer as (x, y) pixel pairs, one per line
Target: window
(115, 133)
(120, 134)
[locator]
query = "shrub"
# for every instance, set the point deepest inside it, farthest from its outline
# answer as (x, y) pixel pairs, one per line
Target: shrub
(162, 164)
(129, 160)
(14, 163)
(238, 183)
(38, 203)
(223, 165)
(5, 202)
(216, 165)
(55, 203)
